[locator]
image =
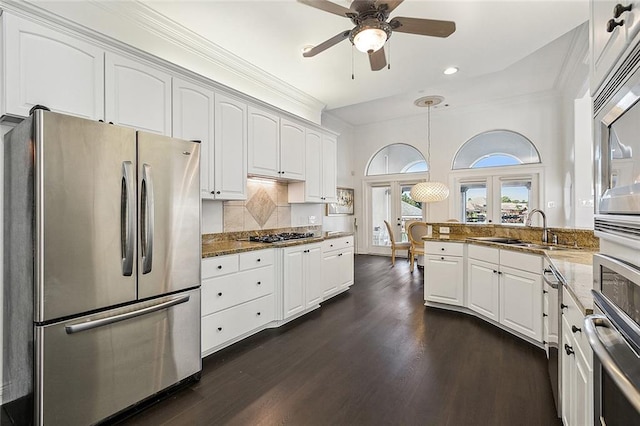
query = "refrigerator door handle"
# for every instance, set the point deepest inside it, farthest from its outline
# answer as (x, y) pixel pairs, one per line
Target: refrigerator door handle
(127, 217)
(146, 219)
(77, 328)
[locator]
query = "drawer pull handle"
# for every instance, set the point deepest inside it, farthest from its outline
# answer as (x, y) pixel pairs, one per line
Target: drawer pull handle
(219, 328)
(442, 258)
(563, 306)
(219, 294)
(619, 9)
(544, 292)
(330, 245)
(340, 254)
(568, 349)
(544, 315)
(575, 329)
(219, 266)
(442, 249)
(612, 24)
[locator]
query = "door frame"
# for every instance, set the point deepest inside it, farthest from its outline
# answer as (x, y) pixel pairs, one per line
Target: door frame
(395, 181)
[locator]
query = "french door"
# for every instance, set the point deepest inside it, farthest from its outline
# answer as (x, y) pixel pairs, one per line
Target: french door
(391, 202)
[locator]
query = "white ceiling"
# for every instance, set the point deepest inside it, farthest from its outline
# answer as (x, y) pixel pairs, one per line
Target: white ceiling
(492, 38)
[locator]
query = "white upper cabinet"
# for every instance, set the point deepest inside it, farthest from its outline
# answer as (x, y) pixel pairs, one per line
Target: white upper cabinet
(264, 143)
(612, 29)
(292, 150)
(50, 68)
(321, 171)
(193, 111)
(230, 148)
(276, 146)
(137, 95)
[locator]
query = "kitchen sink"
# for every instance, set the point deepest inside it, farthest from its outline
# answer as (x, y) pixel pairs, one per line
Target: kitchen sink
(501, 240)
(539, 246)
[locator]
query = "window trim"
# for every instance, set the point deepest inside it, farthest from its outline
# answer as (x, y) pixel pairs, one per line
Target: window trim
(494, 176)
(366, 169)
(461, 148)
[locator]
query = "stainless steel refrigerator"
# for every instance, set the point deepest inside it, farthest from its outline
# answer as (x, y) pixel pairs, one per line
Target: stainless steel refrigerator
(102, 251)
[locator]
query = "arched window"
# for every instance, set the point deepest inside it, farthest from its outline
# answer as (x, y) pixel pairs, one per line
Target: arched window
(397, 158)
(495, 148)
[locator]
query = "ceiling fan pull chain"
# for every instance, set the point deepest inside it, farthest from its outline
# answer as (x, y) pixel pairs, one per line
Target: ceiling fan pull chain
(389, 54)
(352, 71)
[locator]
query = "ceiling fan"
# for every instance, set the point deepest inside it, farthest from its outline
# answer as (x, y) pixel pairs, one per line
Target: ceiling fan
(372, 30)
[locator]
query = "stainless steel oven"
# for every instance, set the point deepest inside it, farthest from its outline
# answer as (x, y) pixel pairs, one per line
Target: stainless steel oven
(614, 335)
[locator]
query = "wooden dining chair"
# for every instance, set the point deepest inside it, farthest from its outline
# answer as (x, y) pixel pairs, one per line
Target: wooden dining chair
(415, 231)
(396, 246)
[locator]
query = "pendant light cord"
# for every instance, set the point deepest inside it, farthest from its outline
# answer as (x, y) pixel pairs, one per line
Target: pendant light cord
(429, 141)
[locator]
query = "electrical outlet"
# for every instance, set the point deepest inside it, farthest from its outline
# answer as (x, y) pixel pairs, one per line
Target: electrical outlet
(551, 205)
(444, 229)
(312, 220)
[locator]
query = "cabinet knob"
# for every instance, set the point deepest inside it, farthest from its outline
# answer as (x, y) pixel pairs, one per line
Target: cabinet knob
(544, 292)
(563, 306)
(258, 260)
(442, 258)
(575, 329)
(544, 342)
(213, 192)
(219, 266)
(499, 272)
(258, 314)
(219, 294)
(340, 254)
(495, 272)
(219, 328)
(612, 24)
(218, 192)
(619, 9)
(259, 282)
(544, 315)
(330, 245)
(568, 349)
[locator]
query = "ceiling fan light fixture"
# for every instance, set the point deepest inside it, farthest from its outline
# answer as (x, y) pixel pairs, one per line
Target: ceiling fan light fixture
(370, 36)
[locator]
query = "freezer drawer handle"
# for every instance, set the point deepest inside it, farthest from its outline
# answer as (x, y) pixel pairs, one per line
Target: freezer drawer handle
(147, 219)
(127, 217)
(76, 328)
(612, 350)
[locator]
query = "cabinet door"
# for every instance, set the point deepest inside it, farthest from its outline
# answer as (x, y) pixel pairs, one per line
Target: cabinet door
(329, 168)
(137, 95)
(193, 107)
(606, 47)
(483, 288)
(583, 396)
(443, 280)
(521, 302)
(293, 281)
(292, 150)
(330, 271)
(230, 148)
(568, 369)
(45, 67)
(264, 143)
(345, 269)
(313, 180)
(313, 274)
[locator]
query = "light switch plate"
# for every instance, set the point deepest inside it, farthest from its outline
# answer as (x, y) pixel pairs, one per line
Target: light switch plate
(444, 229)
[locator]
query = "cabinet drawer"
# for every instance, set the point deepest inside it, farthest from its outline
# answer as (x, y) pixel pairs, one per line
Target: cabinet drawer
(227, 291)
(487, 254)
(440, 248)
(219, 265)
(573, 317)
(256, 259)
(522, 261)
(226, 325)
(337, 243)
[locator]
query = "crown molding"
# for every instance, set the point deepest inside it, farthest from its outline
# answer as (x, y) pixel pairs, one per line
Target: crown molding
(577, 56)
(140, 17)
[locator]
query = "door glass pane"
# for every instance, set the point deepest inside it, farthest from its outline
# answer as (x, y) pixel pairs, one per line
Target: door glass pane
(409, 210)
(514, 205)
(474, 202)
(380, 211)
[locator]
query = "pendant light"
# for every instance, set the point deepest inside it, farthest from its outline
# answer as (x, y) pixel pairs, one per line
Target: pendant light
(429, 192)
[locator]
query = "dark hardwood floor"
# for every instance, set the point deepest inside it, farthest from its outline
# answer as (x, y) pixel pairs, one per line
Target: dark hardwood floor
(372, 356)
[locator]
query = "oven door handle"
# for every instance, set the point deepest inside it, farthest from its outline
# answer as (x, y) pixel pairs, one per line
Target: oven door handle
(614, 354)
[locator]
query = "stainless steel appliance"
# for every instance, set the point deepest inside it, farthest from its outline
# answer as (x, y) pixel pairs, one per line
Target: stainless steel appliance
(101, 268)
(553, 299)
(614, 335)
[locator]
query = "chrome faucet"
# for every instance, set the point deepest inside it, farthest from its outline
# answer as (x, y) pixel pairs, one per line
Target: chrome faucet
(545, 231)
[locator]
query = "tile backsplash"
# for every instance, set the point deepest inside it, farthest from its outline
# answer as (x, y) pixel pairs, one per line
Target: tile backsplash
(266, 207)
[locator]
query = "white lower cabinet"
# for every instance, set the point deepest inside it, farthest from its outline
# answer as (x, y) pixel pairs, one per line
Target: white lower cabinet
(506, 286)
(444, 273)
(577, 367)
(301, 278)
(237, 297)
(337, 266)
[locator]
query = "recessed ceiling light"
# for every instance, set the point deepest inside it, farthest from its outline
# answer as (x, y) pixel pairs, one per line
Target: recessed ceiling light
(451, 70)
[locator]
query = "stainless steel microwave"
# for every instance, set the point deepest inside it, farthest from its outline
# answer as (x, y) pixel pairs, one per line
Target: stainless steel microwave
(617, 140)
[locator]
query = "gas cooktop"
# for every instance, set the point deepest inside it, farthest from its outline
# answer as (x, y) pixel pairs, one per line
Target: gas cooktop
(284, 236)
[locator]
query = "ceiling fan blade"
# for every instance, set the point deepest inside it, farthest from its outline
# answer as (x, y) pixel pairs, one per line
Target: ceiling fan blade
(377, 59)
(327, 6)
(327, 44)
(389, 5)
(428, 27)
